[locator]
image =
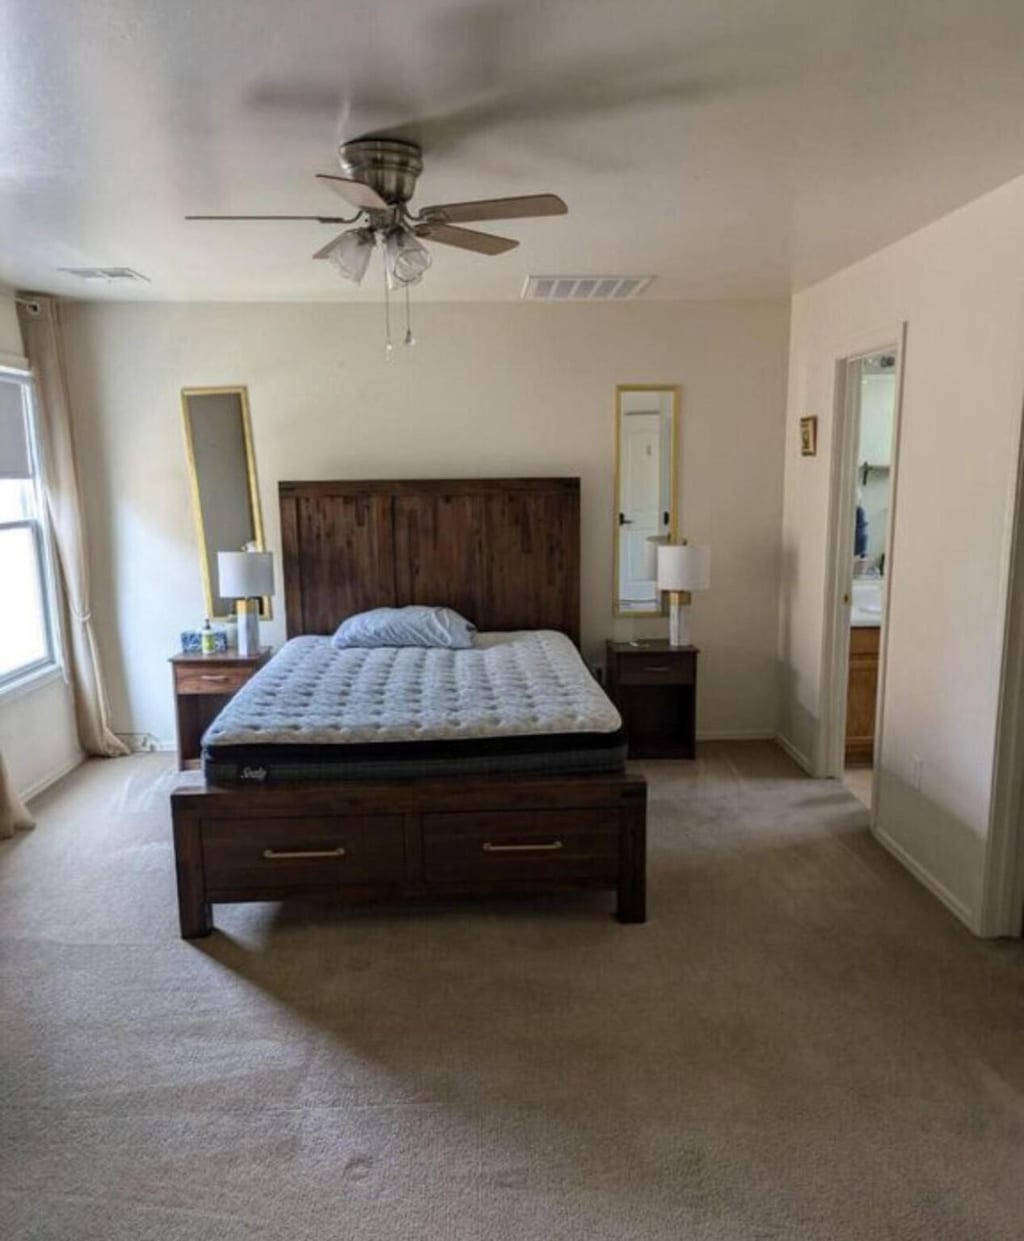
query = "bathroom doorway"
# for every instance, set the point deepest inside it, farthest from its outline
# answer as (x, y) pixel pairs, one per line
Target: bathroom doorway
(867, 408)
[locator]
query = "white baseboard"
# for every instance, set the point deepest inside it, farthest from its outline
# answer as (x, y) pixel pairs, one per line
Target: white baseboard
(937, 888)
(798, 756)
(753, 734)
(146, 743)
(52, 777)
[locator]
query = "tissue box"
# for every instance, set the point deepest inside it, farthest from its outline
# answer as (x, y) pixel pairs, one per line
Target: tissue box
(192, 641)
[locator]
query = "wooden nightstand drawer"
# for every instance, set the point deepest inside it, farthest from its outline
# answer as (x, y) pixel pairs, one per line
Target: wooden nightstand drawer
(656, 668)
(211, 679)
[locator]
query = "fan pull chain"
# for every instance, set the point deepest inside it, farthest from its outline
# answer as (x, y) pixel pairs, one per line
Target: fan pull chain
(409, 338)
(388, 347)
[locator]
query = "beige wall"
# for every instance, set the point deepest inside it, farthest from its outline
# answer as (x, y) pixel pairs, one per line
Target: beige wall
(37, 727)
(490, 390)
(959, 285)
(37, 736)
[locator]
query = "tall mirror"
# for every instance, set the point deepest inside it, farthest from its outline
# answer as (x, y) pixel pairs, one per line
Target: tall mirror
(225, 497)
(646, 438)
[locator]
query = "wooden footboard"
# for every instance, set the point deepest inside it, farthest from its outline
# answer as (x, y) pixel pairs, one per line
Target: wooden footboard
(421, 838)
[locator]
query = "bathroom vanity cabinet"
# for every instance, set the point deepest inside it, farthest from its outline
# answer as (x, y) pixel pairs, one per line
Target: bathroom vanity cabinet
(862, 694)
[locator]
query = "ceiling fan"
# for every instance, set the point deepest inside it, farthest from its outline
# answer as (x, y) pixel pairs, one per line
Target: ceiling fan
(379, 179)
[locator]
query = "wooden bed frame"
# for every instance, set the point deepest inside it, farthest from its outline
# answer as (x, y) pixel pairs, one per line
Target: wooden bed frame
(505, 552)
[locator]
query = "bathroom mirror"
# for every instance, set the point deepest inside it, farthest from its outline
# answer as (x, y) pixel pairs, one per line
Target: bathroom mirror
(646, 439)
(222, 470)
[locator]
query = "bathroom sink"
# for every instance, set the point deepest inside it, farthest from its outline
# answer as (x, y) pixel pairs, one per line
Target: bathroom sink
(866, 599)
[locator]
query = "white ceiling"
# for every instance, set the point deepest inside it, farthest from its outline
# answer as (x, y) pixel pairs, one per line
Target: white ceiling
(734, 148)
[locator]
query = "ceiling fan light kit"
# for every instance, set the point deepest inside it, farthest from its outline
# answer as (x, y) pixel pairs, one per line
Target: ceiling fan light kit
(350, 253)
(406, 258)
(380, 179)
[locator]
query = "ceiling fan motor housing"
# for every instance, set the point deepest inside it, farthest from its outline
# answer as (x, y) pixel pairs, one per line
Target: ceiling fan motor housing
(387, 165)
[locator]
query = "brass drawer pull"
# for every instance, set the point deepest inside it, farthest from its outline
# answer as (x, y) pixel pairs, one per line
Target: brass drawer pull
(210, 676)
(274, 855)
(548, 847)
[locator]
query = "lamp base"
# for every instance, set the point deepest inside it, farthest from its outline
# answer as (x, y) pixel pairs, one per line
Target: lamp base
(679, 619)
(248, 626)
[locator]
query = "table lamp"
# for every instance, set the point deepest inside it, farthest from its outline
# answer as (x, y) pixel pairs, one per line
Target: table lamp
(682, 567)
(246, 577)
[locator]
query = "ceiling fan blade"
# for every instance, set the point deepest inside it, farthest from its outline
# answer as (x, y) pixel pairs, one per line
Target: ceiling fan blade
(466, 238)
(360, 195)
(523, 207)
(318, 219)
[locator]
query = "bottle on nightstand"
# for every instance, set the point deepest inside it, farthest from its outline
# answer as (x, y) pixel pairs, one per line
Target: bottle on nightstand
(208, 643)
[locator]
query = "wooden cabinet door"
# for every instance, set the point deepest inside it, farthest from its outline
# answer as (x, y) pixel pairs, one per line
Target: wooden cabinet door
(861, 695)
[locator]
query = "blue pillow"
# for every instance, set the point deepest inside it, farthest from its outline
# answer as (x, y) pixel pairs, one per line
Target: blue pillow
(411, 626)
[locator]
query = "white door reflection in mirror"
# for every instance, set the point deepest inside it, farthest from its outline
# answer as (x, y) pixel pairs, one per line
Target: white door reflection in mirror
(645, 493)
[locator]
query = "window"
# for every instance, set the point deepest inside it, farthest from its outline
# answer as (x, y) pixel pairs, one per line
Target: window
(27, 614)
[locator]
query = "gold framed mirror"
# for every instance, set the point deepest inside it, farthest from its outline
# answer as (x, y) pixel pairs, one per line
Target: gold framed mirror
(222, 474)
(646, 487)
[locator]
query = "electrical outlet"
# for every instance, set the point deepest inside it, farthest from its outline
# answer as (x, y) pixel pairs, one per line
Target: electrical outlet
(916, 771)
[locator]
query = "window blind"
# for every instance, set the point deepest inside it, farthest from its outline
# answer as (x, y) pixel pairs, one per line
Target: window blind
(15, 458)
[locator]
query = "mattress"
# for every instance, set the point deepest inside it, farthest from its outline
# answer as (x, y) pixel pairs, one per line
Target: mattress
(515, 702)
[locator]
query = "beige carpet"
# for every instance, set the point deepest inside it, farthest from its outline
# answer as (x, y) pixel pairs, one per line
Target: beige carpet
(800, 1044)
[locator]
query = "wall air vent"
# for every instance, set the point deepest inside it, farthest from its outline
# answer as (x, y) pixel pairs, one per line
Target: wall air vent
(109, 275)
(584, 288)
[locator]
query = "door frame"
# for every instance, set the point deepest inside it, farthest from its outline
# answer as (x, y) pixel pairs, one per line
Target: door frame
(1001, 909)
(841, 520)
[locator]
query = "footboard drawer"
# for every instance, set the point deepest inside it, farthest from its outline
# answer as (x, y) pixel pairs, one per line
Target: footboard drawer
(521, 845)
(285, 854)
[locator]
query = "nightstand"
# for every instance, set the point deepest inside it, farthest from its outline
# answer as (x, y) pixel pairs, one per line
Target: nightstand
(203, 684)
(654, 686)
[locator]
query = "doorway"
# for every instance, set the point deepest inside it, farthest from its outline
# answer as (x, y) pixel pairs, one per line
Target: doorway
(867, 411)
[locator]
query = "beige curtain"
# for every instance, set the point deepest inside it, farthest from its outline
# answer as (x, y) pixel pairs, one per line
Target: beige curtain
(13, 815)
(42, 337)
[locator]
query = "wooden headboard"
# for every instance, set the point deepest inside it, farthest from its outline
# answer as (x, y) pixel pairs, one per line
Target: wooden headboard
(505, 552)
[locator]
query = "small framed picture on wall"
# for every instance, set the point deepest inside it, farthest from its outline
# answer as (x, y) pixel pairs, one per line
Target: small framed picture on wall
(809, 436)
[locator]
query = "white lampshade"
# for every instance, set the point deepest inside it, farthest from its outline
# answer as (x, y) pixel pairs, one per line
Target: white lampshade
(245, 575)
(684, 566)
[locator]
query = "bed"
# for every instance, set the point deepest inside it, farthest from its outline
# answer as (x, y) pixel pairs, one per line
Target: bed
(520, 703)
(401, 772)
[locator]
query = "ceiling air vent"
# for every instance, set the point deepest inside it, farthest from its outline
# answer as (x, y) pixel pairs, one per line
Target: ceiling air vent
(584, 288)
(110, 275)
